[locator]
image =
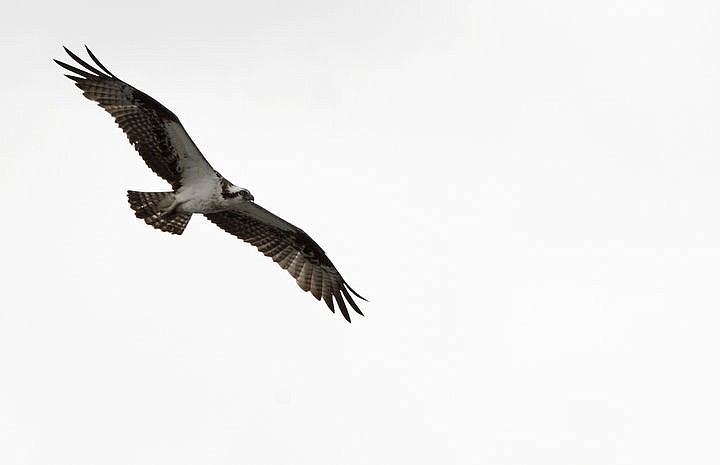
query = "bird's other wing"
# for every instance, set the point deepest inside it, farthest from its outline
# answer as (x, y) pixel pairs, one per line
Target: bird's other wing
(154, 131)
(292, 249)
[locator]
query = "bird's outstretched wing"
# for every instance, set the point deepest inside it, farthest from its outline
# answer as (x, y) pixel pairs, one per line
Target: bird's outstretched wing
(154, 131)
(292, 249)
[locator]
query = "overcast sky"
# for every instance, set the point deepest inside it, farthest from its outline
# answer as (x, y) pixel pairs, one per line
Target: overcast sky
(527, 193)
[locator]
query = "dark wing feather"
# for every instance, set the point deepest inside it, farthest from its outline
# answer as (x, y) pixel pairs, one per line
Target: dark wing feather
(292, 249)
(154, 131)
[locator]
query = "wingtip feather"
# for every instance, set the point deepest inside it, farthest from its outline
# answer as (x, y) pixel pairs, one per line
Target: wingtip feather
(97, 62)
(351, 301)
(329, 303)
(356, 294)
(85, 64)
(341, 304)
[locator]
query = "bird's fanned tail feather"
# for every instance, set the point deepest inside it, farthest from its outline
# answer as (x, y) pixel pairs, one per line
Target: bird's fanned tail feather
(148, 207)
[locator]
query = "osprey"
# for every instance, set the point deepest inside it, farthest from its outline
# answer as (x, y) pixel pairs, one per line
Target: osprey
(165, 146)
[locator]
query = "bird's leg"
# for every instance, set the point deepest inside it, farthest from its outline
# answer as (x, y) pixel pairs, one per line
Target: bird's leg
(168, 205)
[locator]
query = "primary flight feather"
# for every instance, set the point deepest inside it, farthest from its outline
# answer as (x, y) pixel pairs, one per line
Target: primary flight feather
(165, 146)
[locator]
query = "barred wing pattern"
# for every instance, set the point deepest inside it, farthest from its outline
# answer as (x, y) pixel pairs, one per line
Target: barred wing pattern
(292, 249)
(154, 131)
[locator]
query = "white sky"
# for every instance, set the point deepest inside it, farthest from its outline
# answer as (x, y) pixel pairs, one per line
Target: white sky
(527, 192)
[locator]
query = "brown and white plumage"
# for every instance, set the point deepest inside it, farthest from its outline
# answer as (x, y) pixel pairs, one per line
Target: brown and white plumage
(164, 145)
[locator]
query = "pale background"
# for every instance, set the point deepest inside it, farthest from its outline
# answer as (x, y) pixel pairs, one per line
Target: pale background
(527, 192)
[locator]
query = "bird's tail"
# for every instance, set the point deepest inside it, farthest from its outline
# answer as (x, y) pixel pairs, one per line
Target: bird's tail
(153, 208)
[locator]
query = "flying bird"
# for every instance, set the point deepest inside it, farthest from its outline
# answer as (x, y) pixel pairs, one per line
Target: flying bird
(165, 146)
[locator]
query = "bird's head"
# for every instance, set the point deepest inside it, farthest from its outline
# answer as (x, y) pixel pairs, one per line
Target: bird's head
(245, 194)
(231, 191)
(242, 193)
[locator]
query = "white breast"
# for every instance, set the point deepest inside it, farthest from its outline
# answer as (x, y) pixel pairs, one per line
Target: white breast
(203, 196)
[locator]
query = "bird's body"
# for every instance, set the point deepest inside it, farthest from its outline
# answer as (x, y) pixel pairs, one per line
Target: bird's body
(209, 195)
(160, 139)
